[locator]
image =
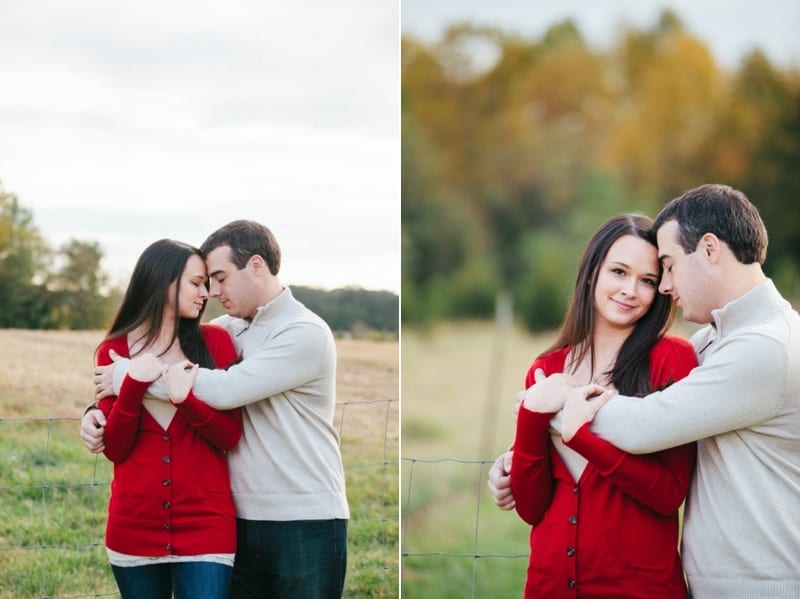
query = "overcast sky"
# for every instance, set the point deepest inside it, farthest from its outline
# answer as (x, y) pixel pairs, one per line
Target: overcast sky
(731, 28)
(124, 122)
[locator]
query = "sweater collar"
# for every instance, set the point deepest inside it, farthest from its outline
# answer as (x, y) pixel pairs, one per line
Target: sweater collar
(265, 312)
(753, 306)
(276, 304)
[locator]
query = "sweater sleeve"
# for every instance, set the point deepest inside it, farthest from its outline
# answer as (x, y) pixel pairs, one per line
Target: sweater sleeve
(660, 481)
(123, 412)
(220, 428)
(737, 386)
(531, 466)
(531, 462)
(290, 360)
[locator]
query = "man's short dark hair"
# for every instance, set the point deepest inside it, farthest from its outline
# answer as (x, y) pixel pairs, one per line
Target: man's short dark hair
(246, 238)
(722, 210)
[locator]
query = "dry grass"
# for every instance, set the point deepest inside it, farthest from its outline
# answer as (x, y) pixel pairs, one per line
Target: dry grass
(48, 374)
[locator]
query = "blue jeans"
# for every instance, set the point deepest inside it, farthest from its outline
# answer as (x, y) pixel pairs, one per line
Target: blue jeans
(302, 559)
(188, 580)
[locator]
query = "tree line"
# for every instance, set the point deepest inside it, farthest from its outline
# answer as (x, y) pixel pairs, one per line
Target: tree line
(42, 287)
(508, 167)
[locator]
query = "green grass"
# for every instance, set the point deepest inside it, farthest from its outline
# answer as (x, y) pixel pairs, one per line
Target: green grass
(459, 386)
(54, 496)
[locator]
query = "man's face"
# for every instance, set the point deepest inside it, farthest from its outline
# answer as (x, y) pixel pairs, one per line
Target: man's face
(684, 276)
(231, 286)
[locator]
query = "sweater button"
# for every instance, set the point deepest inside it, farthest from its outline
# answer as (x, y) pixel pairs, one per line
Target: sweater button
(165, 482)
(575, 489)
(165, 459)
(570, 551)
(571, 583)
(573, 520)
(167, 526)
(166, 505)
(168, 547)
(165, 437)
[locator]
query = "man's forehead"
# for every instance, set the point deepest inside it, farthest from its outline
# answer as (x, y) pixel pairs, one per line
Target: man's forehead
(667, 239)
(219, 259)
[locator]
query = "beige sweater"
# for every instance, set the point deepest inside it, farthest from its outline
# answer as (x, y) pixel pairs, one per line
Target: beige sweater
(288, 465)
(742, 403)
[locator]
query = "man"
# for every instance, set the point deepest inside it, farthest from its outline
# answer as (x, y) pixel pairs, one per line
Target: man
(286, 472)
(741, 535)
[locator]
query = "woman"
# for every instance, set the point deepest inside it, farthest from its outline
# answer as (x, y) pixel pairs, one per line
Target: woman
(171, 518)
(605, 523)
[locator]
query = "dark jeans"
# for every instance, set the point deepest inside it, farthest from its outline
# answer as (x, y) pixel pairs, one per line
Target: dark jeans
(302, 559)
(188, 580)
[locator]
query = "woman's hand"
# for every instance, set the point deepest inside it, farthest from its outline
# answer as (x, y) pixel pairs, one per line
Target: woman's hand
(548, 394)
(581, 406)
(145, 368)
(179, 379)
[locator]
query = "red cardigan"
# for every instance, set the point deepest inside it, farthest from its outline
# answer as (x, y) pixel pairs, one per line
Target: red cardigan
(171, 491)
(614, 533)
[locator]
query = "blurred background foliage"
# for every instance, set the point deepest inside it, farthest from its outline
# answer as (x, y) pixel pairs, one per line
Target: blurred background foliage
(42, 287)
(514, 150)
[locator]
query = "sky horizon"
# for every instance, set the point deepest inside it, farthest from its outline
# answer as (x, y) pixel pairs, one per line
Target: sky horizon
(125, 123)
(731, 30)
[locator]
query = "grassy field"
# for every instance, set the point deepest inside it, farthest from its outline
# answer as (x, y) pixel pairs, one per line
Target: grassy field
(459, 386)
(54, 493)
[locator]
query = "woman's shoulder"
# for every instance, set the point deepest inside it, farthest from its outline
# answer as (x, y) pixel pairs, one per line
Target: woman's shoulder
(672, 344)
(671, 359)
(212, 331)
(119, 344)
(551, 362)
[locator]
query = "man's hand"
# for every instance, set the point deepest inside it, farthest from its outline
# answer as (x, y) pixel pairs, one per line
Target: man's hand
(179, 379)
(548, 394)
(104, 378)
(500, 482)
(92, 430)
(581, 406)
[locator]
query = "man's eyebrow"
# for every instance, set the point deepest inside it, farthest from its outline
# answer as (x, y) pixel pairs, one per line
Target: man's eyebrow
(216, 272)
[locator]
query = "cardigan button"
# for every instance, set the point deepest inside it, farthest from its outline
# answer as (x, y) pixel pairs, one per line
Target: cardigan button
(165, 437)
(165, 482)
(166, 505)
(573, 520)
(570, 551)
(571, 583)
(168, 547)
(575, 489)
(165, 459)
(167, 526)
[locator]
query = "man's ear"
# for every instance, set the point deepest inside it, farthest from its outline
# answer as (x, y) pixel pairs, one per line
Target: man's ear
(711, 246)
(256, 262)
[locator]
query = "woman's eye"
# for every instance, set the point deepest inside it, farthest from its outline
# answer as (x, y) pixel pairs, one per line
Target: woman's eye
(618, 271)
(650, 282)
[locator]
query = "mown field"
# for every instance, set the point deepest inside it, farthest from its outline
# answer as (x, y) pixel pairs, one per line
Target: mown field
(54, 493)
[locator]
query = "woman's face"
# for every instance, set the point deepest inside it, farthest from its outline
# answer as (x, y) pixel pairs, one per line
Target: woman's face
(627, 282)
(193, 292)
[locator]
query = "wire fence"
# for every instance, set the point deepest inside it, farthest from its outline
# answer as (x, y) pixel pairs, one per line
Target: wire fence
(476, 550)
(54, 496)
